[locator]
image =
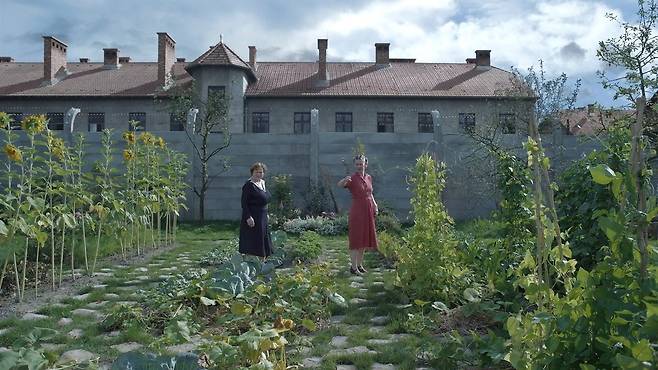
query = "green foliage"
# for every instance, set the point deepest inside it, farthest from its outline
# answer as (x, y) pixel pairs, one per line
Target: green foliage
(428, 266)
(307, 247)
(580, 198)
(329, 225)
(281, 206)
(219, 255)
(389, 245)
(123, 316)
(386, 220)
(317, 200)
(516, 204)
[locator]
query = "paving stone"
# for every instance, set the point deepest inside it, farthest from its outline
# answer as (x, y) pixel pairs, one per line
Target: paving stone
(112, 296)
(76, 356)
(378, 366)
(103, 274)
(4, 349)
(358, 301)
(84, 312)
(133, 282)
(339, 342)
(121, 266)
(52, 347)
(127, 288)
(167, 269)
(154, 264)
(143, 278)
(356, 278)
(336, 319)
(378, 283)
(113, 334)
(379, 294)
(355, 284)
(312, 362)
(127, 347)
(379, 342)
(379, 320)
(64, 321)
(75, 333)
(180, 348)
(399, 337)
(81, 297)
(106, 269)
(4, 331)
(351, 351)
(126, 303)
(346, 367)
(100, 286)
(141, 269)
(377, 329)
(95, 305)
(165, 277)
(33, 316)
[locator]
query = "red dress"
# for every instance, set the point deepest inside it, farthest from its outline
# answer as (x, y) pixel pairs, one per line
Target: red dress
(361, 223)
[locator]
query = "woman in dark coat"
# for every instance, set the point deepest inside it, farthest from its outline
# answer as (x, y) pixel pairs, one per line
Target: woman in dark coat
(254, 233)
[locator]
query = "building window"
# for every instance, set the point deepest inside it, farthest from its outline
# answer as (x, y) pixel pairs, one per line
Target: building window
(302, 124)
(218, 90)
(467, 121)
(17, 117)
(55, 121)
(96, 121)
(260, 122)
(384, 122)
(137, 121)
(343, 121)
(425, 122)
(176, 122)
(507, 122)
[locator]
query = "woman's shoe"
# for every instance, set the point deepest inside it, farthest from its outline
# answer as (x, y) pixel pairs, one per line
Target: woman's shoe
(355, 271)
(362, 269)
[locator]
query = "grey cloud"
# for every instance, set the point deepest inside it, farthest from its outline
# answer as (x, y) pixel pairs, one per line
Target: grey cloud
(572, 52)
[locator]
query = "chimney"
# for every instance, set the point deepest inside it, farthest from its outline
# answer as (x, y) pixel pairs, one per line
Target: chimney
(166, 59)
(111, 58)
(381, 54)
(124, 60)
(180, 60)
(323, 78)
(470, 60)
(483, 58)
(6, 60)
(54, 60)
(84, 60)
(252, 57)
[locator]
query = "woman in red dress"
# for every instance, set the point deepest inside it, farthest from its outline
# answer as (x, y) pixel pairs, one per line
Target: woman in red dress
(362, 234)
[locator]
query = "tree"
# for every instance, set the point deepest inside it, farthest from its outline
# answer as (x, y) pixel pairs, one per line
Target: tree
(212, 119)
(635, 51)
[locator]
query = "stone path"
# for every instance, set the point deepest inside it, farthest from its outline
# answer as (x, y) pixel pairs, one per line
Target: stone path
(362, 335)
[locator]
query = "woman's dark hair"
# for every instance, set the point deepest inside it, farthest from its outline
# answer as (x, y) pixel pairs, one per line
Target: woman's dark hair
(256, 166)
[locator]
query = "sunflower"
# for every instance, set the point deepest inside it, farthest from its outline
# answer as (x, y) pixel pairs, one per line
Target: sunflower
(34, 123)
(128, 155)
(129, 137)
(13, 153)
(283, 324)
(147, 138)
(5, 121)
(160, 142)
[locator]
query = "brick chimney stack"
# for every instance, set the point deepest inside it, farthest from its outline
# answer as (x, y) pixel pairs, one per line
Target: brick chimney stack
(483, 58)
(54, 60)
(166, 59)
(252, 57)
(123, 60)
(111, 58)
(6, 60)
(323, 77)
(381, 54)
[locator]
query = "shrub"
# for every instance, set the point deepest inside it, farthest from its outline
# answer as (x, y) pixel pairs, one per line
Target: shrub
(307, 248)
(389, 245)
(322, 225)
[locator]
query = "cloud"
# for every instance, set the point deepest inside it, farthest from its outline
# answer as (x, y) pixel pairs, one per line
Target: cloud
(573, 51)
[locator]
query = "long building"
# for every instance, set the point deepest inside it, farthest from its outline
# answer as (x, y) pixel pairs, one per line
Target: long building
(394, 106)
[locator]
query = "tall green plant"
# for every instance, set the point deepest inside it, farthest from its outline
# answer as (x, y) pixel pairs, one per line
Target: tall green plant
(428, 266)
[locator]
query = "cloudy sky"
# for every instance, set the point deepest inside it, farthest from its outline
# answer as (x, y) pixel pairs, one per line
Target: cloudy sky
(564, 34)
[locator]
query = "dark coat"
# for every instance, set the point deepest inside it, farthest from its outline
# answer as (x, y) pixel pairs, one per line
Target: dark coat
(255, 240)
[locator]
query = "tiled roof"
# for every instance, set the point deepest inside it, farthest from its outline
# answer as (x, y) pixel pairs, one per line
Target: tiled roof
(293, 79)
(368, 79)
(221, 55)
(86, 79)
